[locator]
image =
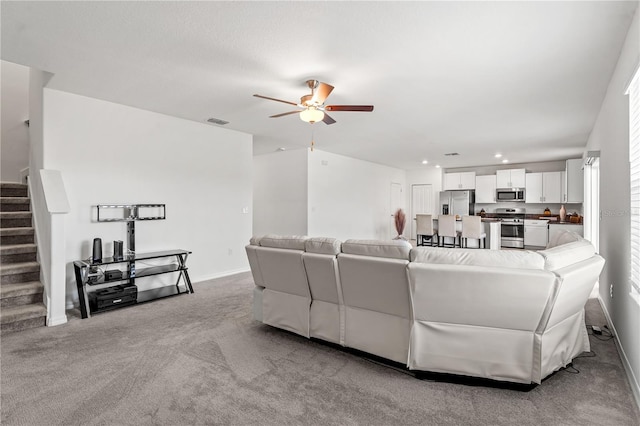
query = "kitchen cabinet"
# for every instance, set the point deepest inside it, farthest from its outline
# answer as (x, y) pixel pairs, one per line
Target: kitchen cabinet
(554, 228)
(574, 182)
(536, 233)
(463, 180)
(543, 187)
(486, 189)
(510, 178)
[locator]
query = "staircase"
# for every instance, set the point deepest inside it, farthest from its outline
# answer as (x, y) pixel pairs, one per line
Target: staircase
(21, 305)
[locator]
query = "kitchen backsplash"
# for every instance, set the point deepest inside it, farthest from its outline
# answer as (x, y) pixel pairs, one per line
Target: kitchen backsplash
(530, 208)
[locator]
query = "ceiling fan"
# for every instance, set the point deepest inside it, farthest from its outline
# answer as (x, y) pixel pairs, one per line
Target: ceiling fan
(313, 107)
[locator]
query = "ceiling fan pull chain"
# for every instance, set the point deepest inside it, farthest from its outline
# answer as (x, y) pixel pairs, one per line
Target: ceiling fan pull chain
(312, 142)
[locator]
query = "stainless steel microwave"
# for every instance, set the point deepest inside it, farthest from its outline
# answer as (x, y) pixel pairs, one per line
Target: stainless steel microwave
(510, 194)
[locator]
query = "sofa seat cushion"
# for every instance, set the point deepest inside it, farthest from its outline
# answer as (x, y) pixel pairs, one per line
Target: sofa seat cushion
(516, 259)
(567, 254)
(291, 242)
(395, 249)
(321, 245)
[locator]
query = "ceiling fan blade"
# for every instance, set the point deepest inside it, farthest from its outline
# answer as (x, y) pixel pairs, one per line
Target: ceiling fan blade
(363, 108)
(327, 119)
(277, 100)
(322, 92)
(283, 114)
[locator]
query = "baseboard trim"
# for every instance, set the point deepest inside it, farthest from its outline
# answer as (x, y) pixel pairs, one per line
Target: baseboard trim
(633, 381)
(51, 322)
(221, 275)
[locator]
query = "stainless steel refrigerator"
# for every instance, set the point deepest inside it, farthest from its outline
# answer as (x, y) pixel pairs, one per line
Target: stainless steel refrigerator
(457, 202)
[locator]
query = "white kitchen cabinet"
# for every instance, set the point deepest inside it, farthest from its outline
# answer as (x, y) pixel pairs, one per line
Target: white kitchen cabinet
(536, 233)
(543, 187)
(574, 182)
(486, 189)
(511, 178)
(554, 228)
(462, 180)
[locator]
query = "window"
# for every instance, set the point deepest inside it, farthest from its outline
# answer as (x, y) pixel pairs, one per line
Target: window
(634, 168)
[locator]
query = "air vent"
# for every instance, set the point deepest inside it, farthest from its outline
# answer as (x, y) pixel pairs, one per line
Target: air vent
(217, 121)
(451, 154)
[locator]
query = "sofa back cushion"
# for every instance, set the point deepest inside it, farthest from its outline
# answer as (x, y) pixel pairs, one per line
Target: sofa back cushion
(518, 259)
(291, 242)
(394, 249)
(567, 254)
(321, 264)
(563, 237)
(323, 246)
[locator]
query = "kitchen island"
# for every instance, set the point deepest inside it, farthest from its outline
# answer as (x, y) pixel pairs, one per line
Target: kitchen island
(491, 228)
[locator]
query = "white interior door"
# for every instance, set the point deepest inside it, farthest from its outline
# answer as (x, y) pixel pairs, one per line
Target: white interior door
(396, 201)
(421, 203)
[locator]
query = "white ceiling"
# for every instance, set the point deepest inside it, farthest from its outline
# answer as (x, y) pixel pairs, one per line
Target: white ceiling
(522, 78)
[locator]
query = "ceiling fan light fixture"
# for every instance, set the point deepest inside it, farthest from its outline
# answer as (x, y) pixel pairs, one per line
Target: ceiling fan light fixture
(311, 115)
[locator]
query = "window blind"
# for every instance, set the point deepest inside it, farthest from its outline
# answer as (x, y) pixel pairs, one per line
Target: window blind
(634, 166)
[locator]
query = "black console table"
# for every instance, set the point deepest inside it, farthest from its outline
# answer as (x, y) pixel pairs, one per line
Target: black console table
(106, 278)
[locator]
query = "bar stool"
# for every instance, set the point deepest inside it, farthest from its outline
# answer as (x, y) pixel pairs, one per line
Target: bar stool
(472, 228)
(447, 229)
(424, 230)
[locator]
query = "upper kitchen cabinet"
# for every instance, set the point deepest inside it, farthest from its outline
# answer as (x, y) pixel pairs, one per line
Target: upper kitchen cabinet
(511, 178)
(574, 183)
(486, 189)
(455, 181)
(544, 187)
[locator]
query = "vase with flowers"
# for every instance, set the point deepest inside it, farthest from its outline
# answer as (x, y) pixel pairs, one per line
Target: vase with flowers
(399, 219)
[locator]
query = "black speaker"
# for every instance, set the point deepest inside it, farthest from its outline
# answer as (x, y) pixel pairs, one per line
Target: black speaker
(117, 250)
(97, 250)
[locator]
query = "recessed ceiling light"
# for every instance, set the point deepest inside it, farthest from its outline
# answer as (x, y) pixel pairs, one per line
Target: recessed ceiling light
(425, 162)
(498, 155)
(505, 161)
(437, 166)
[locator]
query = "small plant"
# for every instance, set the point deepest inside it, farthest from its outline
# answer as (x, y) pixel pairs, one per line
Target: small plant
(400, 220)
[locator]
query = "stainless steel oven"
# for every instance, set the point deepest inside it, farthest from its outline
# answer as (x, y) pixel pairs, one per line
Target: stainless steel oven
(511, 227)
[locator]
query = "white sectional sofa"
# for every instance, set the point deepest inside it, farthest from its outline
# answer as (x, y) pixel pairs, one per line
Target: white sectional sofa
(508, 315)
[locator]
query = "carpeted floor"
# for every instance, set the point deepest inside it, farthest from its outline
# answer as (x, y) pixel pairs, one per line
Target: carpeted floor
(201, 359)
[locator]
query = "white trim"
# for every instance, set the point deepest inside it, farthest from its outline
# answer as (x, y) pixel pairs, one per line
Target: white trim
(221, 275)
(633, 380)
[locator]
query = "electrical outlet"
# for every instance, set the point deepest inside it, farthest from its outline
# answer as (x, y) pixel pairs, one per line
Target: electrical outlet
(611, 291)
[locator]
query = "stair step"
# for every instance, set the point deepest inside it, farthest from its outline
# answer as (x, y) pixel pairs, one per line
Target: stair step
(19, 272)
(10, 189)
(15, 219)
(16, 253)
(13, 204)
(19, 318)
(12, 236)
(20, 289)
(17, 249)
(21, 294)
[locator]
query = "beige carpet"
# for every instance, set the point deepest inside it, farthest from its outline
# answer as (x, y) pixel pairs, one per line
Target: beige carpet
(201, 359)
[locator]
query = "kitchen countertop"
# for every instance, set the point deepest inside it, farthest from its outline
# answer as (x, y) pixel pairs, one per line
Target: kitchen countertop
(564, 223)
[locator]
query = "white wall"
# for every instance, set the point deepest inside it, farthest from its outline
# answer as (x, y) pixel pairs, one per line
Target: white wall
(280, 193)
(113, 154)
(350, 198)
(15, 110)
(610, 135)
